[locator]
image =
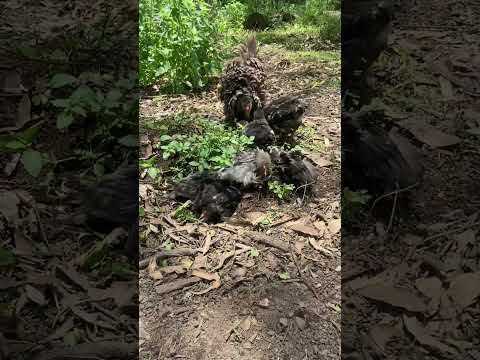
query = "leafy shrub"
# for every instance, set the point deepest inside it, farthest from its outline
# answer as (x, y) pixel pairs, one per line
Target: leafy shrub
(101, 105)
(314, 9)
(232, 16)
(330, 26)
(326, 15)
(178, 43)
(91, 96)
(214, 148)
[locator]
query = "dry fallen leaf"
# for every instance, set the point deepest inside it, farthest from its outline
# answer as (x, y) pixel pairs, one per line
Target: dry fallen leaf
(208, 241)
(319, 160)
(255, 217)
(430, 287)
(398, 297)
(465, 239)
(153, 271)
(304, 229)
(382, 333)
(428, 134)
(334, 226)
(320, 225)
(316, 245)
(464, 289)
(142, 190)
(23, 111)
(141, 330)
(213, 277)
(12, 164)
(35, 295)
(446, 87)
(299, 245)
(9, 202)
(415, 328)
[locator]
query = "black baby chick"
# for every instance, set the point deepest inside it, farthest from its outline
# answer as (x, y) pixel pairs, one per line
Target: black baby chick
(260, 130)
(216, 201)
(213, 199)
(292, 169)
(285, 115)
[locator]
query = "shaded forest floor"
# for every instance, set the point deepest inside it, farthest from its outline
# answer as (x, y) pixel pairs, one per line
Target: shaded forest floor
(413, 292)
(55, 295)
(268, 280)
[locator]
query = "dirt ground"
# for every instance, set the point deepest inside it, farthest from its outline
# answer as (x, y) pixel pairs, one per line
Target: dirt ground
(268, 281)
(412, 292)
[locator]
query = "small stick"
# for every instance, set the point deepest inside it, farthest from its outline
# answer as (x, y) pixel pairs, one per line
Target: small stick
(394, 206)
(446, 233)
(266, 240)
(280, 222)
(176, 285)
(304, 280)
(165, 254)
(383, 197)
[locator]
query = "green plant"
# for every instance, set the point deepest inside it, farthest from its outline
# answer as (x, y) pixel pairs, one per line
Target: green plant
(330, 26)
(22, 143)
(151, 166)
(214, 148)
(325, 14)
(91, 97)
(178, 44)
(281, 190)
(184, 214)
(232, 15)
(353, 202)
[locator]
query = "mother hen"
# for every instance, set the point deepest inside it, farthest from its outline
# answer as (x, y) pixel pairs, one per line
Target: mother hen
(241, 86)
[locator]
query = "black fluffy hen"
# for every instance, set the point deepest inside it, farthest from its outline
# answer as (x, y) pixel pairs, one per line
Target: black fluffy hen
(250, 169)
(113, 202)
(241, 87)
(371, 159)
(260, 130)
(365, 28)
(213, 199)
(285, 115)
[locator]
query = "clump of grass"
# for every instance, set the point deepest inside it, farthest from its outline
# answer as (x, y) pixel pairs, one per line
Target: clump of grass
(322, 56)
(177, 124)
(296, 37)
